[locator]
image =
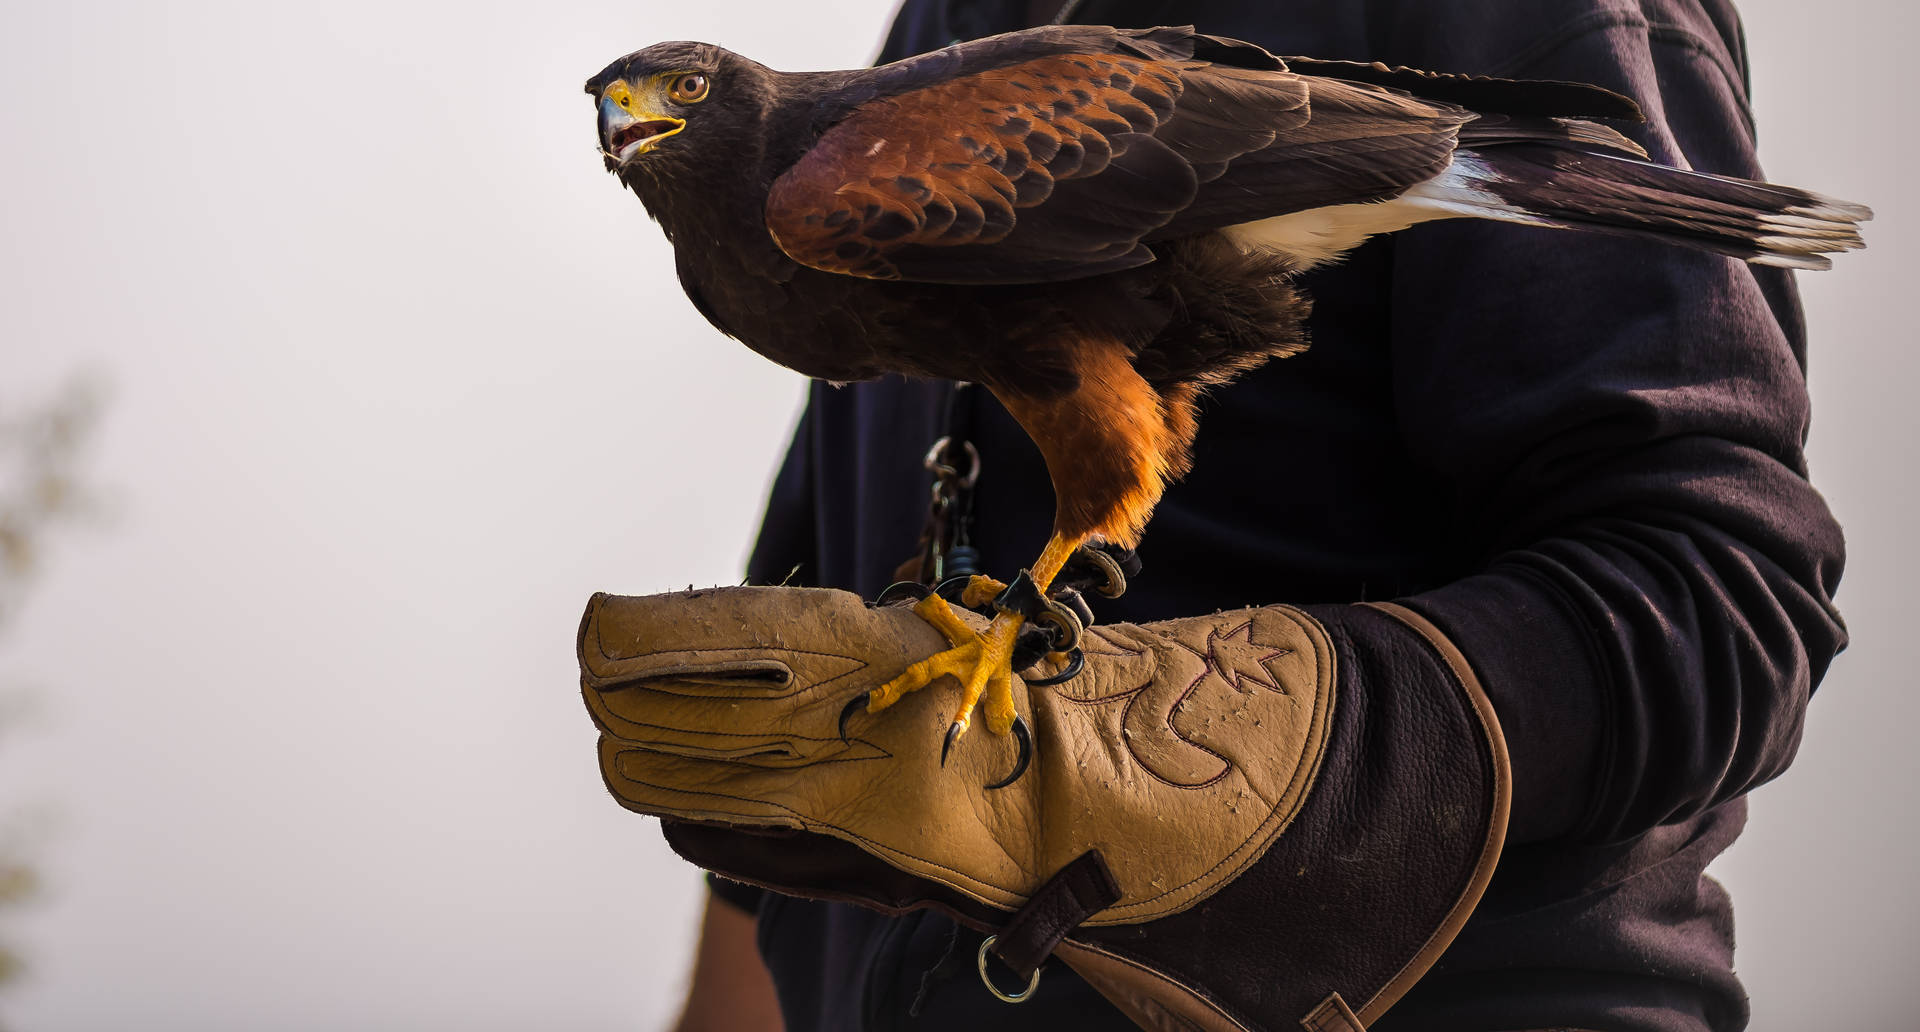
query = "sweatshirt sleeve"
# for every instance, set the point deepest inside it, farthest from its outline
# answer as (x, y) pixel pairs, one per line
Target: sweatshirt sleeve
(1621, 425)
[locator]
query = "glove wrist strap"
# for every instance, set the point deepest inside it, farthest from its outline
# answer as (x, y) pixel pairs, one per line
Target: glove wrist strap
(1074, 893)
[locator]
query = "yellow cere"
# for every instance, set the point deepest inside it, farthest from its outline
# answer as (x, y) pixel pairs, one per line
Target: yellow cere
(618, 92)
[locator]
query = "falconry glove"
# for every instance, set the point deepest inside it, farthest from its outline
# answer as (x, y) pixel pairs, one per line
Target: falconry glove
(1252, 820)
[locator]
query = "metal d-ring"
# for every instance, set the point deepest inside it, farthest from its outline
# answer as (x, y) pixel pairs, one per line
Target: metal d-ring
(1020, 997)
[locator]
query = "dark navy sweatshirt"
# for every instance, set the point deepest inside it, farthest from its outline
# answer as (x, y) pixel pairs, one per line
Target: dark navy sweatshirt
(1580, 456)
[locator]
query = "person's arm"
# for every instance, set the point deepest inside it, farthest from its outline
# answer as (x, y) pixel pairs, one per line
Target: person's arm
(731, 990)
(1622, 424)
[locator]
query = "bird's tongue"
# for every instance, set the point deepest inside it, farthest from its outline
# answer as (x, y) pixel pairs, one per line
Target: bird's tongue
(638, 131)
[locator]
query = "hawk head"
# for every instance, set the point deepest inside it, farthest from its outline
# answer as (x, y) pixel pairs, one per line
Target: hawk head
(679, 107)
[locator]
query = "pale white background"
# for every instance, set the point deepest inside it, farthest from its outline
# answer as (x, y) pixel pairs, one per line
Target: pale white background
(399, 377)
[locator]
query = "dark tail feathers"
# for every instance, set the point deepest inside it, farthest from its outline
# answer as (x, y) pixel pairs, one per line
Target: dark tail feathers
(1569, 188)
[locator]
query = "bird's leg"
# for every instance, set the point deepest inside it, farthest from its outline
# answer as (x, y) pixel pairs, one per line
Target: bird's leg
(1110, 444)
(981, 661)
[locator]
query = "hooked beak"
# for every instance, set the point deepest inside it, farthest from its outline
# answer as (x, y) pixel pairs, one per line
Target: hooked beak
(627, 130)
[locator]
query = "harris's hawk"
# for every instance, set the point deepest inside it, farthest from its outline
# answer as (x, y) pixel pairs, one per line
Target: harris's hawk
(1097, 224)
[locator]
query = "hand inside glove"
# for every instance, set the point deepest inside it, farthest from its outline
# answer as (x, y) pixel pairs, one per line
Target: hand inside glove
(1237, 821)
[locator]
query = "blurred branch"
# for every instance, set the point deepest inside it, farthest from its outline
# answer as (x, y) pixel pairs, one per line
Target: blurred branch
(39, 489)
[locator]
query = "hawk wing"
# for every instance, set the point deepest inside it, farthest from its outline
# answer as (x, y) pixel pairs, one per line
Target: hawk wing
(1060, 153)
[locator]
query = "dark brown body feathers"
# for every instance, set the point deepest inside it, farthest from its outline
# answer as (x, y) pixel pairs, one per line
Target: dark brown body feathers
(1036, 212)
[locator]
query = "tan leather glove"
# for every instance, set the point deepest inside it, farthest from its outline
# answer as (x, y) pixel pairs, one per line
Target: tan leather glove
(1222, 827)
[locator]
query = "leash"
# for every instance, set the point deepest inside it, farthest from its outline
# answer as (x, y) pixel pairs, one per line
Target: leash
(946, 538)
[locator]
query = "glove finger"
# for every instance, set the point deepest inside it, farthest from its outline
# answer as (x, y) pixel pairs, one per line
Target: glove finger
(921, 816)
(741, 660)
(769, 748)
(666, 785)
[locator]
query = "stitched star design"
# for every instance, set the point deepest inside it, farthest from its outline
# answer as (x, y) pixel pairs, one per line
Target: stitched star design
(1240, 662)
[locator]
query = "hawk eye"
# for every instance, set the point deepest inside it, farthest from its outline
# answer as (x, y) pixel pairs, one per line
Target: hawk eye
(690, 88)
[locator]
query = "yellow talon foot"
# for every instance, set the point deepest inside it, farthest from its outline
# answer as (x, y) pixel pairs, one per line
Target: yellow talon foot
(980, 591)
(982, 663)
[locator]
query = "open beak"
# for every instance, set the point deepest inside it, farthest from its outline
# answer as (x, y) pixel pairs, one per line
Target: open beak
(625, 134)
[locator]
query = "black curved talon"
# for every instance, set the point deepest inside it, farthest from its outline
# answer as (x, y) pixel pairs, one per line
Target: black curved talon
(901, 589)
(846, 712)
(1076, 662)
(953, 732)
(953, 589)
(1024, 739)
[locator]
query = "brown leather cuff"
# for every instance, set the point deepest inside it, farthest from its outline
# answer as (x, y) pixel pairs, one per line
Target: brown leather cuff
(1373, 879)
